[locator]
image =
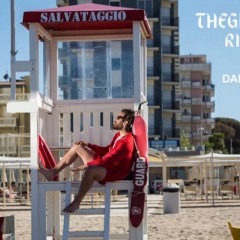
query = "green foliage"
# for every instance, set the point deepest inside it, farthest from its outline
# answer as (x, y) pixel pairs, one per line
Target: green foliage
(216, 141)
(231, 130)
(184, 139)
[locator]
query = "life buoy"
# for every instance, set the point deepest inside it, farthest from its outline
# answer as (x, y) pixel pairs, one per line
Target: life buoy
(140, 171)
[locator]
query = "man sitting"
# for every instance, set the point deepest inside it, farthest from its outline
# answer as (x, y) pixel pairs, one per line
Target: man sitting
(102, 164)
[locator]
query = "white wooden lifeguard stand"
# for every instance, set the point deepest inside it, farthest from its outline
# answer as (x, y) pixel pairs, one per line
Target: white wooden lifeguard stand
(93, 65)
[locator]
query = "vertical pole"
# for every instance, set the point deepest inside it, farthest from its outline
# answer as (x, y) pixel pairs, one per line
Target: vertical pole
(212, 179)
(13, 52)
(136, 63)
(4, 186)
(28, 187)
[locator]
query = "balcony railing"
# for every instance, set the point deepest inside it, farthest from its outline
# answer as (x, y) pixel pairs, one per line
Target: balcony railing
(168, 21)
(8, 150)
(8, 122)
(196, 67)
(4, 98)
(196, 118)
(186, 101)
(186, 84)
(209, 120)
(196, 84)
(15, 145)
(196, 101)
(168, 48)
(209, 86)
(169, 77)
(186, 118)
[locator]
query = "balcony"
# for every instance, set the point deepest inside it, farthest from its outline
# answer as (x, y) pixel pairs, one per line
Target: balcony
(209, 86)
(8, 122)
(169, 77)
(25, 150)
(16, 145)
(170, 49)
(196, 118)
(186, 118)
(196, 101)
(196, 84)
(8, 150)
(168, 21)
(200, 136)
(186, 101)
(209, 120)
(206, 67)
(171, 106)
(4, 98)
(186, 84)
(209, 104)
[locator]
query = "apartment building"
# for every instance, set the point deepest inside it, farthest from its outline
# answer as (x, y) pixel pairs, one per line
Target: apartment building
(162, 69)
(14, 128)
(197, 91)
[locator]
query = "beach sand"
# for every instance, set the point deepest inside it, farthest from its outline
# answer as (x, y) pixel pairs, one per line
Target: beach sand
(197, 220)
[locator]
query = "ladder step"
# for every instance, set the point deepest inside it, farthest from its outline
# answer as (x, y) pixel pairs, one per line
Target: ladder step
(92, 211)
(86, 234)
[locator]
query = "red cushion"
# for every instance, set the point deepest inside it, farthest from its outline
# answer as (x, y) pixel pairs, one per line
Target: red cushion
(45, 154)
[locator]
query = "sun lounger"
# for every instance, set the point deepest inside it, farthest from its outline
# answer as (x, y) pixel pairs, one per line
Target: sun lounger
(190, 191)
(226, 190)
(212, 190)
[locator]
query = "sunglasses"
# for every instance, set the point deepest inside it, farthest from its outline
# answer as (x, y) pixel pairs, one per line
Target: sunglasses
(119, 117)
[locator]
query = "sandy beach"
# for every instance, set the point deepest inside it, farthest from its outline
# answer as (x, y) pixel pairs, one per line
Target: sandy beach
(197, 220)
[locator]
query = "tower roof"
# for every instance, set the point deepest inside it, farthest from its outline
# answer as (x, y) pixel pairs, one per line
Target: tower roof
(87, 16)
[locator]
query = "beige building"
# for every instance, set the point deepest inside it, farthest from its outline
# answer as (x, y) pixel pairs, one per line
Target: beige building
(197, 91)
(14, 128)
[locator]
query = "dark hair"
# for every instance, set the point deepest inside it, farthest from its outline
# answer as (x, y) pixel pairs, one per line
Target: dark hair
(129, 116)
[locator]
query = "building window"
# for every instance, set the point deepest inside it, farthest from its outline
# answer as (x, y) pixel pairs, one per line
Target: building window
(115, 3)
(147, 5)
(116, 64)
(206, 115)
(98, 69)
(150, 94)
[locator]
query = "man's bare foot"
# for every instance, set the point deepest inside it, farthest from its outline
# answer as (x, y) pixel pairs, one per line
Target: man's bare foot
(47, 173)
(72, 207)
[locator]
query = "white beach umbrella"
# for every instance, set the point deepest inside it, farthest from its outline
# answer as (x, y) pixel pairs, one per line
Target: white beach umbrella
(193, 173)
(12, 175)
(4, 175)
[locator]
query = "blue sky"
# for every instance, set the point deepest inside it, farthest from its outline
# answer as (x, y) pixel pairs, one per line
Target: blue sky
(194, 40)
(211, 42)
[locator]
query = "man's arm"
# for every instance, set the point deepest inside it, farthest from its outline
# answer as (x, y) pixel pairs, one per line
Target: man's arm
(121, 154)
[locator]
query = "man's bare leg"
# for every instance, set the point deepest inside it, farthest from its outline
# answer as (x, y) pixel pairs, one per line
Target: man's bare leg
(77, 150)
(93, 173)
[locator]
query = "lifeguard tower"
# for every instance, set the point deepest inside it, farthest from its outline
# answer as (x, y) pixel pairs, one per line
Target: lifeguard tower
(87, 62)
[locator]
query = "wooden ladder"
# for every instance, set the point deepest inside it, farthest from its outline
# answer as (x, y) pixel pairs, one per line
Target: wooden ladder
(96, 211)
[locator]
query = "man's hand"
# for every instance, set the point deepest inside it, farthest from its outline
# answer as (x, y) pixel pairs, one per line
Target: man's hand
(79, 168)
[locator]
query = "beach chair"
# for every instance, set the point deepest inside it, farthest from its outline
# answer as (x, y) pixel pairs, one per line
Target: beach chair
(234, 231)
(190, 191)
(212, 190)
(226, 190)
